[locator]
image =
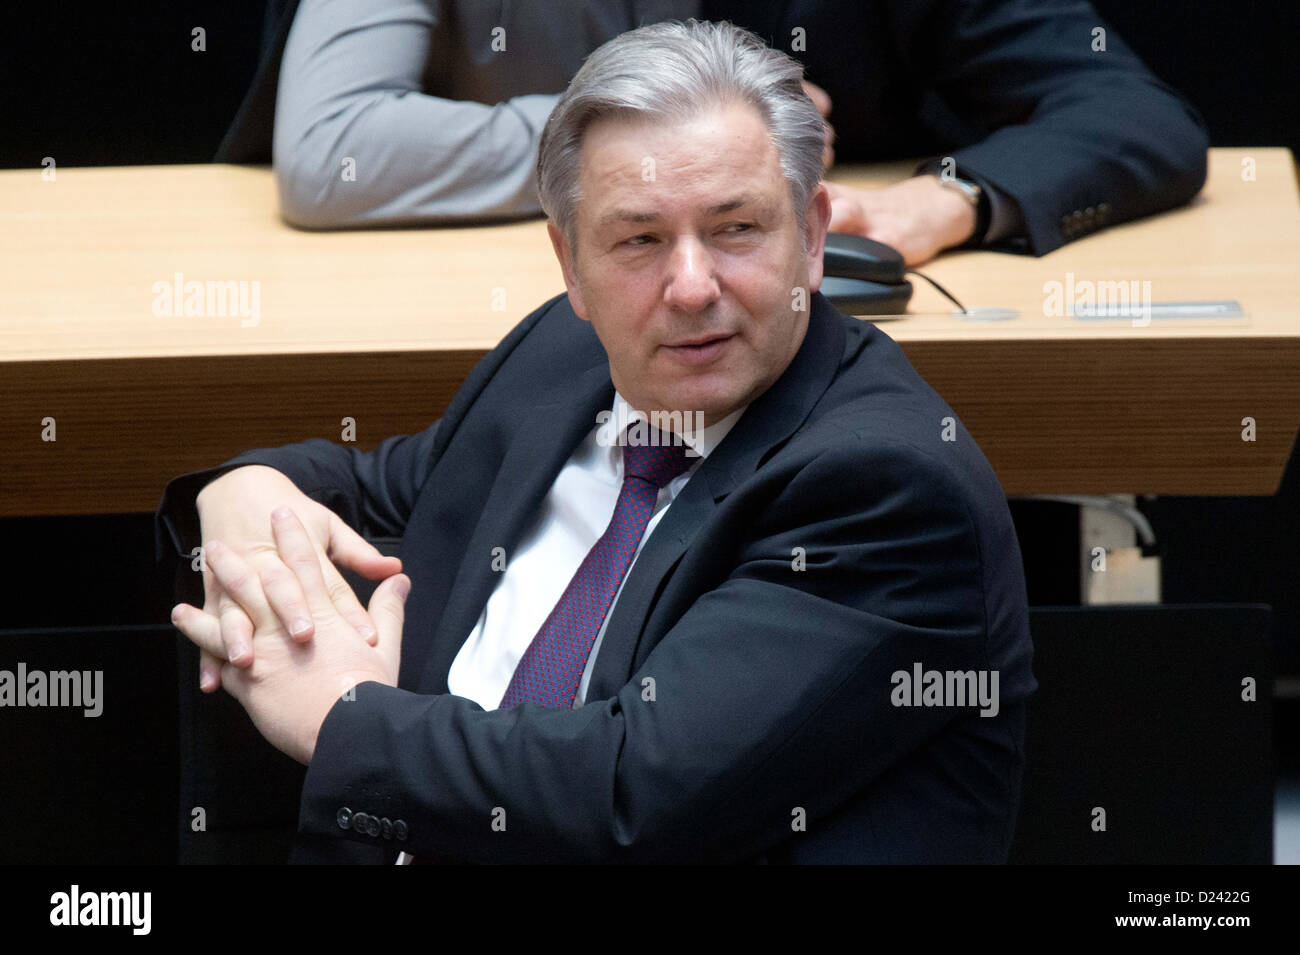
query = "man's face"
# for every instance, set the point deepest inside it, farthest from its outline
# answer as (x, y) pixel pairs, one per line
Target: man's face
(688, 257)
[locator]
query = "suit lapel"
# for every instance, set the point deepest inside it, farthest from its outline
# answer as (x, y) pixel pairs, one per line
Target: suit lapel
(544, 441)
(766, 424)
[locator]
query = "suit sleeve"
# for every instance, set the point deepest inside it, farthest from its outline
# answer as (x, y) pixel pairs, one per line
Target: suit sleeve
(1078, 136)
(772, 693)
(351, 89)
(373, 491)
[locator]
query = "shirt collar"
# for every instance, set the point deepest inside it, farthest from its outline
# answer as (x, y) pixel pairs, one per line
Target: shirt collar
(702, 441)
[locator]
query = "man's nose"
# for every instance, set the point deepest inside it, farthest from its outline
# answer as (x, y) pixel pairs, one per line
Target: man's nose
(692, 282)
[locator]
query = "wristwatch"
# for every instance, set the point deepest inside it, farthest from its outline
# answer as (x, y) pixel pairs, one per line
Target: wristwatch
(975, 195)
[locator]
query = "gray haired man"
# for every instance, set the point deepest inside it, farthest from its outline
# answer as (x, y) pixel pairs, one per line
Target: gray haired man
(693, 649)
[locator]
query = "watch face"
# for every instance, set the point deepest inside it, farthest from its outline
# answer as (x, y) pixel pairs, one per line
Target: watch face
(968, 188)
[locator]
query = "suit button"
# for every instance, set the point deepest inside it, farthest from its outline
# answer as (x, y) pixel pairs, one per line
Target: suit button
(1103, 211)
(399, 830)
(372, 826)
(344, 818)
(1090, 212)
(359, 822)
(386, 828)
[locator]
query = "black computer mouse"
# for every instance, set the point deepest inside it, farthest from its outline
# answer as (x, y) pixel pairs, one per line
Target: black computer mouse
(863, 276)
(854, 257)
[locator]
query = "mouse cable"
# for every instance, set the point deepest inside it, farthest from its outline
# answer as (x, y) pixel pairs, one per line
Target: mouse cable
(942, 291)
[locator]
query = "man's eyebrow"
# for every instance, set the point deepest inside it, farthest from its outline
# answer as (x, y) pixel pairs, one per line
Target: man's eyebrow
(731, 205)
(626, 215)
(634, 215)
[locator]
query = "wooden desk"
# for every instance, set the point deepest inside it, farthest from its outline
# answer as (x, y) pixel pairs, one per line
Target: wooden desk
(382, 326)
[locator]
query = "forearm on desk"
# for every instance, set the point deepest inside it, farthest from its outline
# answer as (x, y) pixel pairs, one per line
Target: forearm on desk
(1072, 127)
(351, 102)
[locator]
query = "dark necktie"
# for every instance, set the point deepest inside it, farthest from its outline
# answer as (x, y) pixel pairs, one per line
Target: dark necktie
(551, 668)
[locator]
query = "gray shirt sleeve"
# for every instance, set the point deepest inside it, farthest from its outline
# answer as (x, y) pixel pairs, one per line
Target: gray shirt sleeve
(358, 142)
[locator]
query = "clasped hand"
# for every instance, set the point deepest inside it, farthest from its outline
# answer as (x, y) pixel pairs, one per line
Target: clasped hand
(289, 682)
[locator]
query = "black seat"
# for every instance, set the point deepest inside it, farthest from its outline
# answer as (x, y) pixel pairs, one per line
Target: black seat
(1140, 713)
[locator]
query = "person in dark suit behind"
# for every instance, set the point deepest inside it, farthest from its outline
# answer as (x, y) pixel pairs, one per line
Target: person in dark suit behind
(1039, 124)
(1038, 112)
(787, 623)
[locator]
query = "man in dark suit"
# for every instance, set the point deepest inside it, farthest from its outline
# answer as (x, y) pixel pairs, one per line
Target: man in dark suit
(803, 639)
(1038, 112)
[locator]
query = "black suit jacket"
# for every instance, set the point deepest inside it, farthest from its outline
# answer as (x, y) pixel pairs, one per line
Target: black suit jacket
(1080, 138)
(1073, 139)
(832, 539)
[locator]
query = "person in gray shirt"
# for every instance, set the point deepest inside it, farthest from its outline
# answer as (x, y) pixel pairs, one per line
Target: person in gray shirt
(396, 112)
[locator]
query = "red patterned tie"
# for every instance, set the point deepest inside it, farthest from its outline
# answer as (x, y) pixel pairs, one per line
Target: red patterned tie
(551, 668)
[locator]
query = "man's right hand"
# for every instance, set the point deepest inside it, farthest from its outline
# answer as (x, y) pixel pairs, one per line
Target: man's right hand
(236, 509)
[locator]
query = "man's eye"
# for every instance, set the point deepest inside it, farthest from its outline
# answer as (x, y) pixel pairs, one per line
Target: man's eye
(738, 227)
(639, 240)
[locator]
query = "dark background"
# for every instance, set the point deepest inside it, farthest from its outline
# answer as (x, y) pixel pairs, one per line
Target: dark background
(117, 84)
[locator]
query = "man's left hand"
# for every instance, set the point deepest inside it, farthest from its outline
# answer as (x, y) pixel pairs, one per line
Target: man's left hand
(291, 686)
(917, 216)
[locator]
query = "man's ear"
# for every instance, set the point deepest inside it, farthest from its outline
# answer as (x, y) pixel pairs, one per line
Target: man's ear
(816, 221)
(565, 255)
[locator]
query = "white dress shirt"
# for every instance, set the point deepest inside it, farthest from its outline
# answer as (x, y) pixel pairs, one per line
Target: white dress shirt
(574, 515)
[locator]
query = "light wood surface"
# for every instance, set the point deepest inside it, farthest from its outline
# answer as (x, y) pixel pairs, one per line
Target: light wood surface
(382, 325)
